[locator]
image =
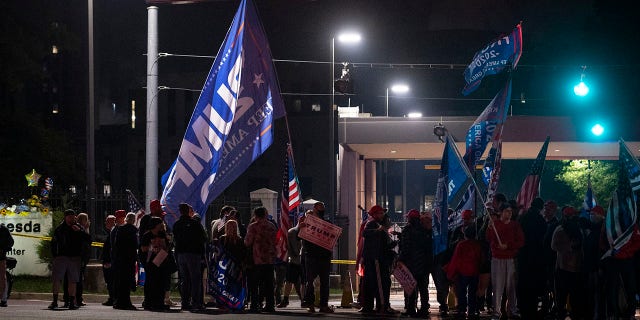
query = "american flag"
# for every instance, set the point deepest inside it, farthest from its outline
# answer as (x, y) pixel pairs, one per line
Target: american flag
(631, 165)
(620, 223)
(134, 206)
(290, 201)
(531, 185)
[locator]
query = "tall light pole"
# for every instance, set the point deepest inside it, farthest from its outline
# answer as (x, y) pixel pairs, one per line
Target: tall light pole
(348, 37)
(396, 88)
(151, 159)
(91, 152)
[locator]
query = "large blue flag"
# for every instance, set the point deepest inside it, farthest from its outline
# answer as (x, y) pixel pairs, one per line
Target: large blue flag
(453, 181)
(482, 130)
(493, 59)
(231, 124)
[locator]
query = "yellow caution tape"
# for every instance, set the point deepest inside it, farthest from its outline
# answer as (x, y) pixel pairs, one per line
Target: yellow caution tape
(46, 238)
(343, 261)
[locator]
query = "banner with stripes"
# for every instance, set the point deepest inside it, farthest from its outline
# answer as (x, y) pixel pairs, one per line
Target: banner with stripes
(531, 185)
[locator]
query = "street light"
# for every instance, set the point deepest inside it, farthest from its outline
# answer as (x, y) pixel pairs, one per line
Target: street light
(346, 37)
(396, 88)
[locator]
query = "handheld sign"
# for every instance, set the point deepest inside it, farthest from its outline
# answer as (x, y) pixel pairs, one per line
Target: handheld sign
(320, 232)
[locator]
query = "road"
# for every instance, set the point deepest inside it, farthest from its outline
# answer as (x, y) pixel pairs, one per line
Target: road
(34, 306)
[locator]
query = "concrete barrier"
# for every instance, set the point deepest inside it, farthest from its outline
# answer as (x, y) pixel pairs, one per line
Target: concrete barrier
(93, 278)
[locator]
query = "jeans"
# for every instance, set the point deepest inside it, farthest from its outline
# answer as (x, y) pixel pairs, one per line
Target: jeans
(189, 266)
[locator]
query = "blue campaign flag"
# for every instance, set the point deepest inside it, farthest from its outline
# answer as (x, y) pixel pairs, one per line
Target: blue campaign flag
(232, 121)
(459, 178)
(493, 59)
(441, 206)
(482, 130)
(453, 182)
(493, 165)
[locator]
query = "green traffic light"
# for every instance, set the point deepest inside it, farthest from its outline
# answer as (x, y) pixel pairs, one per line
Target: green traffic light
(597, 129)
(581, 89)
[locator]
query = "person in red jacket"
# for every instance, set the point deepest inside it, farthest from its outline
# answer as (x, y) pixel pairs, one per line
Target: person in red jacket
(464, 271)
(505, 238)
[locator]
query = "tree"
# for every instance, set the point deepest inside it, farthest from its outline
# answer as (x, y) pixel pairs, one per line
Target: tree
(575, 174)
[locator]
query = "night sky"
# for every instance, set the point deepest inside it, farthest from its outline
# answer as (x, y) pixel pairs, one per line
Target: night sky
(399, 38)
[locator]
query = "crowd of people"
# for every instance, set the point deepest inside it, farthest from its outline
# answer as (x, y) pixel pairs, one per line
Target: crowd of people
(148, 244)
(542, 263)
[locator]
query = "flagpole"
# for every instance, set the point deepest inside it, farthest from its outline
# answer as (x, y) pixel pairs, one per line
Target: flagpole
(475, 185)
(466, 170)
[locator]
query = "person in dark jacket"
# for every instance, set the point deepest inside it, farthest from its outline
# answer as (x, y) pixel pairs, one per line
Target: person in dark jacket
(154, 248)
(66, 249)
(417, 255)
(190, 238)
(107, 272)
(83, 220)
(124, 245)
(6, 243)
(374, 255)
(317, 261)
(531, 280)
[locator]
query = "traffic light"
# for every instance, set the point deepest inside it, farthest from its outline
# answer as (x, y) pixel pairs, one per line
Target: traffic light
(597, 129)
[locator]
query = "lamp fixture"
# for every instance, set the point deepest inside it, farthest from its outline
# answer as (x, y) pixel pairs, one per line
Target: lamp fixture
(440, 131)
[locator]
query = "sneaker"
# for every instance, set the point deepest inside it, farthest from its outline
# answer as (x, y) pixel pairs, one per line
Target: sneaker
(269, 310)
(364, 310)
(326, 309)
(73, 306)
(3, 303)
(53, 305)
(311, 309)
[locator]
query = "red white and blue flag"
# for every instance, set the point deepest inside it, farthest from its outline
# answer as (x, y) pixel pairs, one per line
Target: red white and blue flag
(290, 201)
(232, 121)
(621, 219)
(531, 185)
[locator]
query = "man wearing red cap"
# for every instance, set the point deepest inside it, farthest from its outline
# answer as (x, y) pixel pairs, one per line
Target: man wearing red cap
(377, 277)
